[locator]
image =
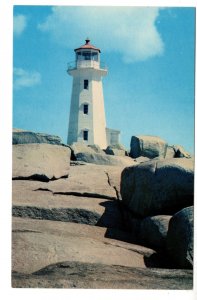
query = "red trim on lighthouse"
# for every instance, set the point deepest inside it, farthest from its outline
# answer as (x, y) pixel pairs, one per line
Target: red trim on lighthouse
(87, 45)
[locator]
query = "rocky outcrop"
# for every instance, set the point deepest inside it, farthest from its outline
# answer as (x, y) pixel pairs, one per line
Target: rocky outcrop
(38, 243)
(29, 137)
(117, 149)
(68, 226)
(96, 149)
(180, 152)
(72, 199)
(150, 231)
(82, 275)
(48, 254)
(148, 146)
(180, 238)
(94, 155)
(153, 231)
(42, 162)
(170, 152)
(80, 147)
(158, 186)
(141, 159)
(86, 181)
(152, 189)
(100, 159)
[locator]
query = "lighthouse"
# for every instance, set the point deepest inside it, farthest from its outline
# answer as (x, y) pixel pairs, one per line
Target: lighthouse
(87, 114)
(87, 122)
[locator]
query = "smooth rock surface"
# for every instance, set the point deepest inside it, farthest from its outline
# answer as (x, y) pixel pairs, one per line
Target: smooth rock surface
(148, 146)
(170, 153)
(153, 231)
(31, 199)
(29, 137)
(101, 276)
(80, 147)
(86, 180)
(38, 243)
(100, 159)
(180, 238)
(118, 150)
(96, 149)
(141, 159)
(40, 161)
(149, 231)
(158, 186)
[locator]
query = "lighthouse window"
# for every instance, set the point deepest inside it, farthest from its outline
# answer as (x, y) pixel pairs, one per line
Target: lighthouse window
(85, 135)
(85, 109)
(95, 56)
(86, 84)
(79, 56)
(86, 55)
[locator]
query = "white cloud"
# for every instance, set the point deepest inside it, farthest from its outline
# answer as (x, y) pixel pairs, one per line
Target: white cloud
(20, 22)
(130, 31)
(24, 78)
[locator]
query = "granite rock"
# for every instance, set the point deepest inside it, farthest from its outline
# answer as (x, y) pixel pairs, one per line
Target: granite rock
(180, 238)
(29, 137)
(42, 162)
(158, 186)
(100, 159)
(153, 231)
(148, 146)
(181, 152)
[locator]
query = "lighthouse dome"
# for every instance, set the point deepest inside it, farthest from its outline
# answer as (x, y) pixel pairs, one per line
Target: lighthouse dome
(87, 45)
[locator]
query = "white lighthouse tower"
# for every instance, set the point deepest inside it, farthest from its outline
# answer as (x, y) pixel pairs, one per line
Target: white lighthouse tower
(87, 114)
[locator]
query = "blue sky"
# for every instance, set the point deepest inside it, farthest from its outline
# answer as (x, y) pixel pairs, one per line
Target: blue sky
(149, 52)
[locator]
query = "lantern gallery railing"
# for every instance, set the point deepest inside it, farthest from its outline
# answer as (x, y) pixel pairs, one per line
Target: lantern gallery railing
(86, 64)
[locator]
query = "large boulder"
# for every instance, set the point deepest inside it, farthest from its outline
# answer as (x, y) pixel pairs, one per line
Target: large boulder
(149, 231)
(181, 152)
(170, 152)
(158, 186)
(80, 147)
(40, 161)
(131, 223)
(29, 137)
(180, 238)
(148, 146)
(104, 159)
(96, 149)
(153, 231)
(117, 149)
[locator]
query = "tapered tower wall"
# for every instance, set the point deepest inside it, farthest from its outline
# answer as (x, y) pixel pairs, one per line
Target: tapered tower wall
(87, 114)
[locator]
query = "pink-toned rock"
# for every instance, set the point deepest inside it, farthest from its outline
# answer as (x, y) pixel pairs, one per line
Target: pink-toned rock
(38, 243)
(40, 161)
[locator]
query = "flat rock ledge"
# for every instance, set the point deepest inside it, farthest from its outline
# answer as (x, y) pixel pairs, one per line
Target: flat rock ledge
(41, 162)
(100, 276)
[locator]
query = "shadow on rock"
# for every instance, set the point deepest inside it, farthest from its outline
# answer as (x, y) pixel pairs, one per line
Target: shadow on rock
(158, 260)
(111, 217)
